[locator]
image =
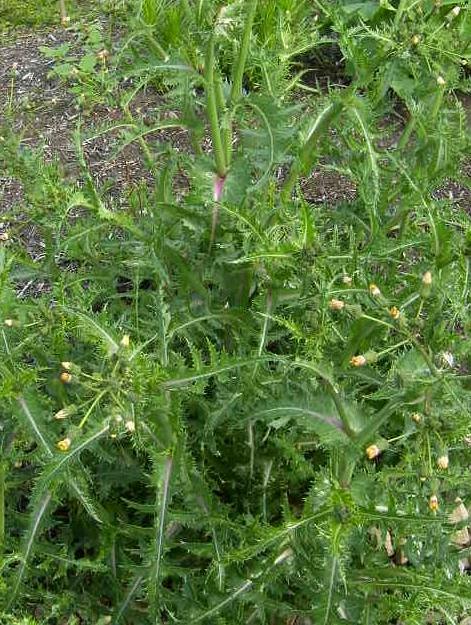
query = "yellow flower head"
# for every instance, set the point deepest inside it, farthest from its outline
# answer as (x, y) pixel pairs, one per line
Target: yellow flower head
(65, 377)
(416, 417)
(395, 312)
(358, 361)
(103, 55)
(336, 304)
(427, 278)
(374, 290)
(372, 452)
(443, 462)
(130, 426)
(64, 444)
(62, 414)
(433, 503)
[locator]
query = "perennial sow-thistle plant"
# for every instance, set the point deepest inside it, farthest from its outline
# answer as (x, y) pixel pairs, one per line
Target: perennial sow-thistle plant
(233, 404)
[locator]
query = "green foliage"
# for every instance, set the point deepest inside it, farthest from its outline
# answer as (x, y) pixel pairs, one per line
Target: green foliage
(231, 405)
(25, 13)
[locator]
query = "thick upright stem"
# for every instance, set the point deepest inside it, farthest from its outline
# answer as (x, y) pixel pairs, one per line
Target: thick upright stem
(63, 13)
(226, 125)
(236, 91)
(212, 108)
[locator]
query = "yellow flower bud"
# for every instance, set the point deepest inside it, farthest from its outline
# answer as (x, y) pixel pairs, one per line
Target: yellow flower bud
(336, 304)
(358, 361)
(443, 462)
(66, 365)
(374, 290)
(395, 312)
(427, 278)
(103, 55)
(62, 414)
(372, 452)
(64, 444)
(415, 40)
(455, 11)
(130, 426)
(433, 503)
(9, 323)
(416, 417)
(65, 377)
(441, 82)
(125, 341)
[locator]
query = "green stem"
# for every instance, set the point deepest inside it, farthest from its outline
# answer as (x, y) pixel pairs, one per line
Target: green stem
(437, 102)
(406, 134)
(236, 91)
(308, 154)
(212, 110)
(226, 125)
(63, 12)
(399, 12)
(156, 47)
(187, 10)
(2, 507)
(341, 410)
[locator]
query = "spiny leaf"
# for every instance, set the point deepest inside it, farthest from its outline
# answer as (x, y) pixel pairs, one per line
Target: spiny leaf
(37, 515)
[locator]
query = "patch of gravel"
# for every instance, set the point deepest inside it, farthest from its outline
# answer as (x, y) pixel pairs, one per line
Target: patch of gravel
(328, 187)
(11, 192)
